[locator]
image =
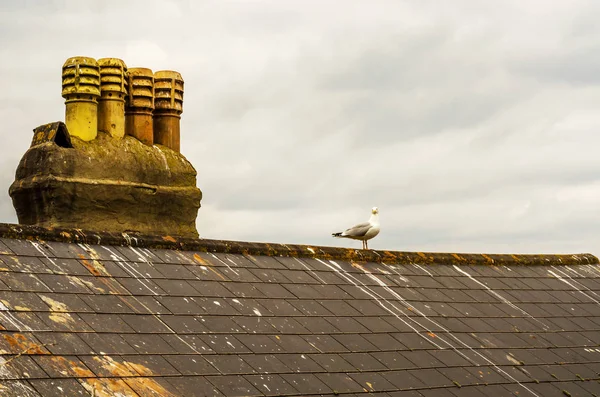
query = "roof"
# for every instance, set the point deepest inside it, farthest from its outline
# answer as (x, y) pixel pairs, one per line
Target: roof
(116, 315)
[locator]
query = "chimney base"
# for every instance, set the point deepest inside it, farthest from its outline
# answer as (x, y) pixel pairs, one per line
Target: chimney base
(108, 184)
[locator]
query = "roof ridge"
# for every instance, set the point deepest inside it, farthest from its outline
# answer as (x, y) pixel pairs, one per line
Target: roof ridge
(133, 239)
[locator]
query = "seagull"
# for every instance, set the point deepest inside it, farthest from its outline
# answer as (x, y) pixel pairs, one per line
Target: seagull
(363, 231)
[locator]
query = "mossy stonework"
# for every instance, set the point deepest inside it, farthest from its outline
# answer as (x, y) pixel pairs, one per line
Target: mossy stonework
(107, 184)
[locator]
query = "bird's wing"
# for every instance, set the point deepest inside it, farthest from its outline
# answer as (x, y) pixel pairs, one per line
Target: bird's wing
(357, 230)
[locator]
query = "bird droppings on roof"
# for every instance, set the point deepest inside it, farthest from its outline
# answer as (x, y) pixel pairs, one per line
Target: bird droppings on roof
(130, 315)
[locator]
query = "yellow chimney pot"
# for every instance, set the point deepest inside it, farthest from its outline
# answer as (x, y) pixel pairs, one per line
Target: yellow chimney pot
(81, 89)
(113, 89)
(139, 105)
(168, 106)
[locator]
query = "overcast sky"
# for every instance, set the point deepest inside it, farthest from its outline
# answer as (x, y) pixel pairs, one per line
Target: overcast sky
(472, 125)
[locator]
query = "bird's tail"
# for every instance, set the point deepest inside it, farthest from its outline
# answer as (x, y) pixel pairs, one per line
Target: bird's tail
(339, 234)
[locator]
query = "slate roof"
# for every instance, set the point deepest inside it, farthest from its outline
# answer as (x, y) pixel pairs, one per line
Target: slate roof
(117, 315)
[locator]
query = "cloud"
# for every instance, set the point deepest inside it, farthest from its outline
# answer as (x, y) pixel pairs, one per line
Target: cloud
(473, 126)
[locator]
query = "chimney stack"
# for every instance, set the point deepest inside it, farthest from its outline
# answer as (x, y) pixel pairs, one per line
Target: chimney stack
(111, 105)
(139, 105)
(102, 171)
(81, 89)
(168, 106)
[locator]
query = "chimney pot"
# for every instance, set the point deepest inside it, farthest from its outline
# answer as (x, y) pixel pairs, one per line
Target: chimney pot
(139, 105)
(168, 102)
(81, 89)
(113, 89)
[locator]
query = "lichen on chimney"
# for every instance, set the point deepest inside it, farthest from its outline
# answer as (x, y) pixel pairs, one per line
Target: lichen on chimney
(94, 173)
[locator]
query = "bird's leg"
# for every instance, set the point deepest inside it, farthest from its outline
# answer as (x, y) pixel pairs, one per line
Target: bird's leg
(366, 245)
(363, 247)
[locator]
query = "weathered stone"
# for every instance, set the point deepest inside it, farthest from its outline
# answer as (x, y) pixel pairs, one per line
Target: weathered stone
(107, 184)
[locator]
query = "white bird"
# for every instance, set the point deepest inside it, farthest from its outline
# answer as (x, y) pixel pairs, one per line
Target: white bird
(363, 231)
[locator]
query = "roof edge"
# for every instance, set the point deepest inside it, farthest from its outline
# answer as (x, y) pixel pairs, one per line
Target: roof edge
(38, 233)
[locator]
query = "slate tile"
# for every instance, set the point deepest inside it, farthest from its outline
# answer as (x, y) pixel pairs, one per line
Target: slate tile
(229, 365)
(148, 365)
(254, 324)
(14, 388)
(481, 374)
(219, 324)
(372, 381)
(260, 343)
(187, 344)
(279, 307)
(332, 362)
(24, 247)
(176, 287)
(248, 307)
(325, 343)
(224, 344)
(332, 292)
(244, 290)
(318, 325)
(244, 261)
(340, 383)
(264, 262)
(294, 344)
(211, 288)
(174, 272)
(59, 283)
(376, 324)
(363, 361)
(107, 366)
(63, 322)
(384, 342)
(144, 305)
(191, 364)
(194, 386)
(180, 305)
(136, 254)
(310, 308)
(307, 383)
(202, 272)
(64, 343)
(422, 358)
(143, 323)
(346, 325)
(299, 276)
(62, 366)
(25, 282)
(233, 385)
(24, 264)
(20, 367)
(106, 323)
(355, 343)
(107, 343)
(340, 308)
(184, 324)
(172, 256)
(416, 340)
(589, 387)
(111, 268)
(303, 291)
(151, 386)
(265, 363)
(216, 306)
(299, 363)
(140, 286)
(59, 387)
(271, 385)
(393, 360)
(148, 343)
(22, 321)
(287, 325)
(106, 304)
